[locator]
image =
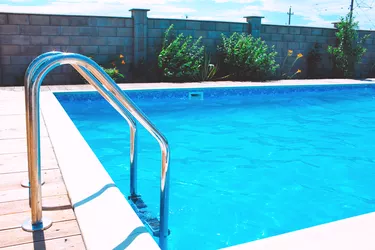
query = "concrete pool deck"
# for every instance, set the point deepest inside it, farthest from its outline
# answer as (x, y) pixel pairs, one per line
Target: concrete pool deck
(66, 159)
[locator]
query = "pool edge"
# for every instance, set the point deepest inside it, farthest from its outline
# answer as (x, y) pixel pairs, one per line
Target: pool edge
(352, 233)
(166, 85)
(98, 204)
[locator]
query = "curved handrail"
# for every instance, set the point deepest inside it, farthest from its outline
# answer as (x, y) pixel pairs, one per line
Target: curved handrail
(33, 132)
(30, 73)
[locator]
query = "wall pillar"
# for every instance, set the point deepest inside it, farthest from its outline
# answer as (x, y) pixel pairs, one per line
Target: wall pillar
(335, 24)
(255, 25)
(139, 34)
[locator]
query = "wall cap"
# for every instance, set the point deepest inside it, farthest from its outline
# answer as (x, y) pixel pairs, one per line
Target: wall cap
(139, 10)
(253, 17)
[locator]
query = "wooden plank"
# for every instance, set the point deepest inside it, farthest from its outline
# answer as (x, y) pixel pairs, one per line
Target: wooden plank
(10, 221)
(48, 203)
(71, 242)
(14, 126)
(45, 88)
(57, 87)
(17, 162)
(13, 180)
(11, 108)
(10, 146)
(48, 189)
(18, 236)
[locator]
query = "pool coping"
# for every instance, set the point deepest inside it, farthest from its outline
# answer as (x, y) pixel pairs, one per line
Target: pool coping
(97, 202)
(98, 194)
(221, 84)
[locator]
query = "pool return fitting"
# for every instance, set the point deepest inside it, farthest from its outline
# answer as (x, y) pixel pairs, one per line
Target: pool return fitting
(104, 84)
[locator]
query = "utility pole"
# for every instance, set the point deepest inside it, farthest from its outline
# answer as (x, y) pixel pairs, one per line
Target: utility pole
(351, 10)
(290, 13)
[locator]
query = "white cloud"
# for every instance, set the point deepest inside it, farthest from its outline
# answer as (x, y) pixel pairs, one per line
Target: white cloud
(20, 1)
(97, 7)
(319, 13)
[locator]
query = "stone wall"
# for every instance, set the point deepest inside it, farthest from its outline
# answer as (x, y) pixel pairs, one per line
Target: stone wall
(25, 36)
(367, 67)
(300, 40)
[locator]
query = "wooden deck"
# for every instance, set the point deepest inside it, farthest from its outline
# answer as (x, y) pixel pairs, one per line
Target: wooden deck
(14, 207)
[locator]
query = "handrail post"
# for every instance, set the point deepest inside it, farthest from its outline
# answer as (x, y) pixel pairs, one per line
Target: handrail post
(30, 71)
(37, 222)
(164, 199)
(133, 161)
(132, 124)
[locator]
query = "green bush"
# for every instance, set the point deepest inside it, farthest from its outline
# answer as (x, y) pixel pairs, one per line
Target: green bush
(114, 73)
(349, 49)
(114, 67)
(180, 57)
(247, 58)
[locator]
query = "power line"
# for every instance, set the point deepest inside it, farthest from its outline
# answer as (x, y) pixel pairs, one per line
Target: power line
(332, 6)
(365, 5)
(364, 13)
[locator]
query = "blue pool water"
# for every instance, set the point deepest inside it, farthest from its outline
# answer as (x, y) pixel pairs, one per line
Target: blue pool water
(246, 163)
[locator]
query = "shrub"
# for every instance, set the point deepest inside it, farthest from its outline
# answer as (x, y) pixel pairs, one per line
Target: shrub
(112, 69)
(114, 73)
(349, 50)
(180, 57)
(247, 58)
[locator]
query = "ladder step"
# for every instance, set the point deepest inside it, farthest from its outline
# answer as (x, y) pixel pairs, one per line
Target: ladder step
(138, 202)
(152, 222)
(154, 225)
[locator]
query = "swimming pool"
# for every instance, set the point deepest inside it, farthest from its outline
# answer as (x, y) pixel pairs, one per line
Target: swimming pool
(247, 163)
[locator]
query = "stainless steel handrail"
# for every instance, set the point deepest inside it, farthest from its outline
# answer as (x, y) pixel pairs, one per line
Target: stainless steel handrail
(30, 72)
(124, 112)
(85, 66)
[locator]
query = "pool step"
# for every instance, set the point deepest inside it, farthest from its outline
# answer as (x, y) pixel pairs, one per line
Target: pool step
(139, 206)
(138, 202)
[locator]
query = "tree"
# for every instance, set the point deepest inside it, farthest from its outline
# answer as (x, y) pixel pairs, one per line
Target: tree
(349, 49)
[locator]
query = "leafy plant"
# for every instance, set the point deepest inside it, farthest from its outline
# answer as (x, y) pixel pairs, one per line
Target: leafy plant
(313, 60)
(114, 73)
(180, 58)
(349, 49)
(111, 67)
(207, 70)
(286, 70)
(247, 58)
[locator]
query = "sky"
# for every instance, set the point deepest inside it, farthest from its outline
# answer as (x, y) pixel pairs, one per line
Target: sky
(318, 13)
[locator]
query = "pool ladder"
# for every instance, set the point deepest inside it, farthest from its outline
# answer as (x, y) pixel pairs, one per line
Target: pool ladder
(104, 84)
